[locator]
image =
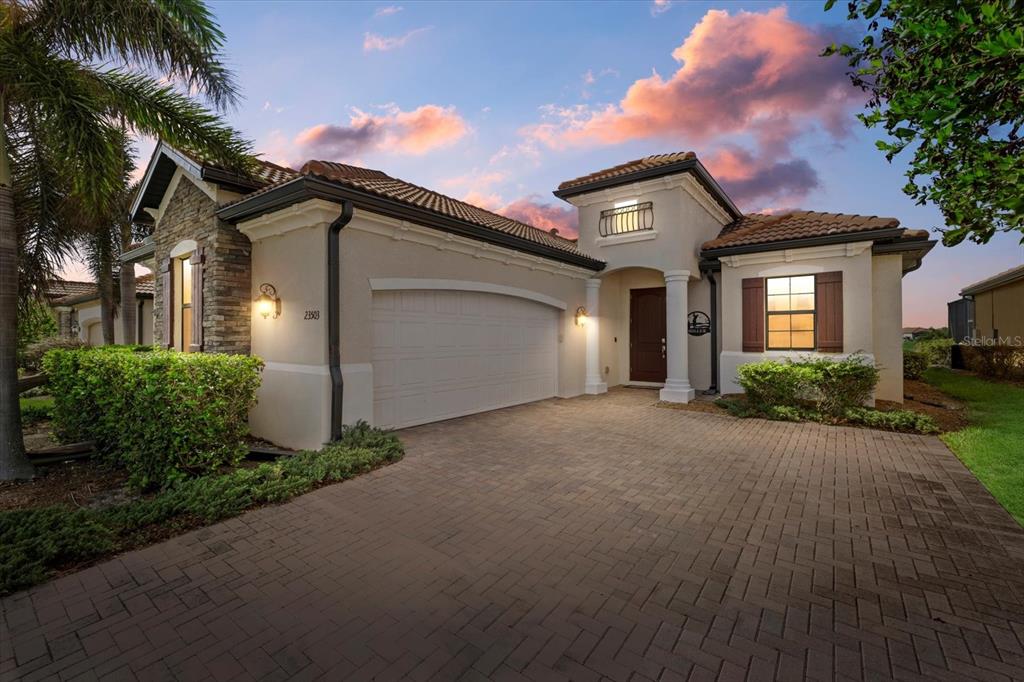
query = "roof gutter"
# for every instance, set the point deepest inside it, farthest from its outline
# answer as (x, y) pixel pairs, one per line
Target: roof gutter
(869, 235)
(993, 282)
(308, 187)
(334, 317)
(141, 253)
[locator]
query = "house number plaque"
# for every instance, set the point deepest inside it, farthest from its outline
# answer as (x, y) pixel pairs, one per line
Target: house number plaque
(698, 323)
(311, 315)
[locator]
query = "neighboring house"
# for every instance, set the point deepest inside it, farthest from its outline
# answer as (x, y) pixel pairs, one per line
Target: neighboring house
(78, 312)
(372, 298)
(991, 310)
(911, 333)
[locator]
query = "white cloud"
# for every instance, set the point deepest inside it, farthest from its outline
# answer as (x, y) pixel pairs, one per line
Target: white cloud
(373, 42)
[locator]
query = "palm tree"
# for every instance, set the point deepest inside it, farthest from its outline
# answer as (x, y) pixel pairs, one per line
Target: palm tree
(62, 105)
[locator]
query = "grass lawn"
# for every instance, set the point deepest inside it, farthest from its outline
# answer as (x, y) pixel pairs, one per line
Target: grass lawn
(39, 401)
(991, 446)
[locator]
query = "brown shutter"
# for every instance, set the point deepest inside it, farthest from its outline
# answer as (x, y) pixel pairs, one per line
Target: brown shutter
(828, 299)
(197, 261)
(167, 285)
(753, 315)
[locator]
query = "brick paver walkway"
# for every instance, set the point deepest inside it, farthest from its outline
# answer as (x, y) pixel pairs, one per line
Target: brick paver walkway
(589, 539)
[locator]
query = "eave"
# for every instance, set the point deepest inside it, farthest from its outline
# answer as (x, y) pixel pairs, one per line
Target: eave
(308, 187)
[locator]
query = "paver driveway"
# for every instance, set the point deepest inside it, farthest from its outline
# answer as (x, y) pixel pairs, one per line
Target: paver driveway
(594, 538)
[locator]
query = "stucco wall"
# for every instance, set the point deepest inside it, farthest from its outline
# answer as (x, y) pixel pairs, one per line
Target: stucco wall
(88, 316)
(294, 400)
(854, 261)
(887, 295)
(1000, 312)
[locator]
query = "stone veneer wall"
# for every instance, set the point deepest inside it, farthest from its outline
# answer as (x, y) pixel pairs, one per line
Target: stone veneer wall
(226, 277)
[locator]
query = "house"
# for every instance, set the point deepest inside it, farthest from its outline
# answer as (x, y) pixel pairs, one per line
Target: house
(372, 298)
(911, 333)
(78, 311)
(991, 310)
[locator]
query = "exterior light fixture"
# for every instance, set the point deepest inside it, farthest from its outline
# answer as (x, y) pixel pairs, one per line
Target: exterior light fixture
(581, 317)
(268, 304)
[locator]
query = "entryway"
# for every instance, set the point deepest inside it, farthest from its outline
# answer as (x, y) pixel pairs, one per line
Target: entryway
(647, 361)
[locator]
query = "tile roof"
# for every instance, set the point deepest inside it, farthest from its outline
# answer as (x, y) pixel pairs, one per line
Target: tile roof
(271, 173)
(383, 185)
(59, 288)
(646, 163)
(759, 228)
(88, 291)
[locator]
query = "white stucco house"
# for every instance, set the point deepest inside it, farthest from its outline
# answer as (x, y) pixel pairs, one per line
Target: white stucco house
(373, 298)
(78, 312)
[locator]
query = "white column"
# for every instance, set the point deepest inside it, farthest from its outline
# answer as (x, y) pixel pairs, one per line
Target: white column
(594, 383)
(677, 383)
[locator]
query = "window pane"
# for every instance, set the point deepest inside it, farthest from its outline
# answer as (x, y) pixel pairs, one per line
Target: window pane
(186, 328)
(803, 322)
(186, 282)
(778, 285)
(778, 323)
(801, 302)
(803, 339)
(802, 285)
(778, 302)
(778, 340)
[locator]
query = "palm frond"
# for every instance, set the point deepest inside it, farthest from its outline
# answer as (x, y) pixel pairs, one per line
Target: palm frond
(178, 39)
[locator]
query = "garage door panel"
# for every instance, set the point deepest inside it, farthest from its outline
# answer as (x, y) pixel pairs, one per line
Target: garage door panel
(443, 354)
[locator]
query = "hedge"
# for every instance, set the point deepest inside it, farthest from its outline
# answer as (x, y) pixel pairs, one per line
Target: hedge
(160, 414)
(34, 543)
(831, 387)
(996, 361)
(936, 350)
(914, 364)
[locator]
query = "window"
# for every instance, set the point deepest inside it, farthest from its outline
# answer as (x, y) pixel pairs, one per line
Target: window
(186, 303)
(791, 313)
(626, 216)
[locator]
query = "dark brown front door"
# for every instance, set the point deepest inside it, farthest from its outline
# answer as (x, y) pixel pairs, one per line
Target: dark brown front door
(647, 334)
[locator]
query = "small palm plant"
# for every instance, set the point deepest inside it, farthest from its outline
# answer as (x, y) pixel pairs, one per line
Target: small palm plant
(74, 76)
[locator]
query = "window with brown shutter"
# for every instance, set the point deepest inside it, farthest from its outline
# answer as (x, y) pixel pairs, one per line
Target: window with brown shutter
(829, 304)
(791, 312)
(167, 285)
(195, 265)
(753, 315)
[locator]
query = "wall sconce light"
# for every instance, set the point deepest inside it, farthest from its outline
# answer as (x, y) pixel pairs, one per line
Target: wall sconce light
(581, 317)
(268, 304)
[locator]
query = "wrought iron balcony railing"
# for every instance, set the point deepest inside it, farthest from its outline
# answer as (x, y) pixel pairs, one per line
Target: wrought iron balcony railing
(625, 219)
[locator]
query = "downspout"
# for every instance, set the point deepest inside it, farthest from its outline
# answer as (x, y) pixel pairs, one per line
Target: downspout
(334, 316)
(713, 388)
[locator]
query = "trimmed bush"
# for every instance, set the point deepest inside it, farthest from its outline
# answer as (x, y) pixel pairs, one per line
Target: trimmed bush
(936, 350)
(160, 414)
(770, 383)
(829, 386)
(914, 364)
(996, 361)
(36, 542)
(896, 420)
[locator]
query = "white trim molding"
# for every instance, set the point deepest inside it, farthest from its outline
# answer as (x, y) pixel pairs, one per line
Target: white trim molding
(682, 180)
(296, 368)
(848, 250)
(638, 236)
(408, 283)
(183, 248)
(311, 213)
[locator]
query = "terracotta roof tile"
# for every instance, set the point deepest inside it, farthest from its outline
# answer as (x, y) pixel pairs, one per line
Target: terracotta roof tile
(646, 163)
(382, 184)
(144, 284)
(59, 288)
(271, 173)
(758, 228)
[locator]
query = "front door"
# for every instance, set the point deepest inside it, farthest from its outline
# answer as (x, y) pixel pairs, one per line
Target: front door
(647, 334)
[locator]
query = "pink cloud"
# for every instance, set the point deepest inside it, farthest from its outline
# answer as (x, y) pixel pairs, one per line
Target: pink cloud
(745, 72)
(373, 42)
(419, 131)
(660, 7)
(766, 179)
(533, 211)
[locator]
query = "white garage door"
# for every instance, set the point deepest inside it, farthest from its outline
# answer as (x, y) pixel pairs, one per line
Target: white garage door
(443, 354)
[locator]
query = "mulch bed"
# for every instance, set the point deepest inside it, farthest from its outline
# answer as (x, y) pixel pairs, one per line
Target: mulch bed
(919, 396)
(72, 484)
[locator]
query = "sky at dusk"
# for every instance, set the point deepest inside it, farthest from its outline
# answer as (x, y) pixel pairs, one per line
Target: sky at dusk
(496, 103)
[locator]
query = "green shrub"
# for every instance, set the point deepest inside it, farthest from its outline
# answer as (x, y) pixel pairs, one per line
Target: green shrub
(937, 350)
(785, 413)
(914, 364)
(35, 323)
(32, 357)
(769, 383)
(34, 543)
(996, 361)
(162, 415)
(841, 384)
(830, 386)
(896, 420)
